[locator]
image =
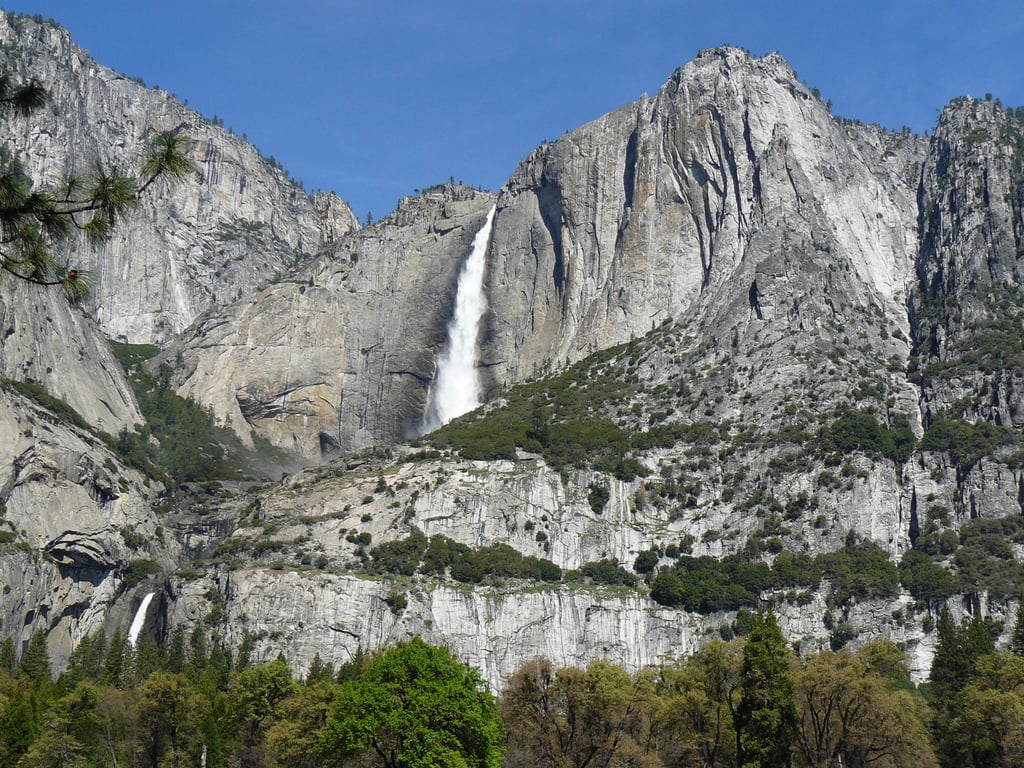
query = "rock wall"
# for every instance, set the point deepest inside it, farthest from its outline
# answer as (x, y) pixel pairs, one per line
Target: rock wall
(73, 517)
(233, 227)
(46, 340)
(319, 608)
(675, 205)
(339, 356)
(769, 265)
(968, 302)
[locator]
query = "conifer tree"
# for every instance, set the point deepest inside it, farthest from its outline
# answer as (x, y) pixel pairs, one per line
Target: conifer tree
(34, 218)
(174, 652)
(35, 663)
(958, 650)
(19, 723)
(86, 661)
(766, 716)
(117, 661)
(8, 657)
(198, 654)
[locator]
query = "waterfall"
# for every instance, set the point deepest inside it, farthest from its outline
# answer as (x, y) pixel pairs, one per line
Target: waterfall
(140, 620)
(456, 387)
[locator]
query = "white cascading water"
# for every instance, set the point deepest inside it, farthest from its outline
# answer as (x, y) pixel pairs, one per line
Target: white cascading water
(456, 387)
(140, 620)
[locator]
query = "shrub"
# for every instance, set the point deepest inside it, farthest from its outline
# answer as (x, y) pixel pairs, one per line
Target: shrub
(647, 560)
(966, 443)
(860, 570)
(137, 571)
(598, 497)
(609, 572)
(924, 578)
(859, 432)
(706, 585)
(399, 557)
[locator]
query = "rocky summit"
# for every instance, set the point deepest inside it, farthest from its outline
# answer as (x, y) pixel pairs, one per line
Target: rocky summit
(737, 351)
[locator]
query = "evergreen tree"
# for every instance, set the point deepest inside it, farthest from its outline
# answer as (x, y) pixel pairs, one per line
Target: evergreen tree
(766, 716)
(116, 664)
(218, 671)
(19, 723)
(244, 660)
(33, 218)
(35, 663)
(954, 666)
(198, 654)
(174, 652)
(8, 657)
(147, 658)
(319, 672)
(958, 650)
(86, 661)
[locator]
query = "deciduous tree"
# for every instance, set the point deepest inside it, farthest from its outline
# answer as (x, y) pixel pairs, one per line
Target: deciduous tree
(416, 706)
(850, 714)
(697, 701)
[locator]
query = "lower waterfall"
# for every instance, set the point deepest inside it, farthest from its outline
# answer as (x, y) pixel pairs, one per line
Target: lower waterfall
(456, 387)
(140, 620)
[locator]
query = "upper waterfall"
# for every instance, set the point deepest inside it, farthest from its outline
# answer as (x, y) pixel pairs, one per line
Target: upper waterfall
(456, 387)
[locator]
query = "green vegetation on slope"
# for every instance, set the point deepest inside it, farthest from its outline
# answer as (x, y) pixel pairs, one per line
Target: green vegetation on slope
(180, 441)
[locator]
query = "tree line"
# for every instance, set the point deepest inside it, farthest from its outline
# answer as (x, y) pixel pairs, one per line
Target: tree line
(749, 702)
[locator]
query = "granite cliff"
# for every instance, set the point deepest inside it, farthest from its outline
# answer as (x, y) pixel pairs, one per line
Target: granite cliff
(350, 365)
(233, 228)
(724, 326)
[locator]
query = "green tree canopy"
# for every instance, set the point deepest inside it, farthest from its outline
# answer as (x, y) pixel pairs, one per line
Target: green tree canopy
(766, 717)
(416, 706)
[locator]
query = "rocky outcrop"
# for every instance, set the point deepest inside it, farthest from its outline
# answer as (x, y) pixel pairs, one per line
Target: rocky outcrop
(235, 226)
(339, 356)
(73, 518)
(968, 306)
(675, 206)
(285, 587)
(735, 181)
(45, 340)
(495, 630)
(766, 269)
(760, 257)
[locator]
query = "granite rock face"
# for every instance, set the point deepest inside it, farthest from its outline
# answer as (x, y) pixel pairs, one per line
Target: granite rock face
(294, 581)
(74, 518)
(752, 269)
(765, 264)
(734, 177)
(235, 226)
(339, 356)
(967, 308)
(674, 206)
(45, 340)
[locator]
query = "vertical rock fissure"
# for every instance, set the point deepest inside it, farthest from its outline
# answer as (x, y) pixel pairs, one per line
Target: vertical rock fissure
(629, 171)
(456, 387)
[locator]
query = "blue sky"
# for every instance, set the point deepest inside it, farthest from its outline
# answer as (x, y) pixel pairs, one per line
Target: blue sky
(374, 99)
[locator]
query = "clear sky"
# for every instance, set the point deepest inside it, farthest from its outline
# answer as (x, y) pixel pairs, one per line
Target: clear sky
(373, 99)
